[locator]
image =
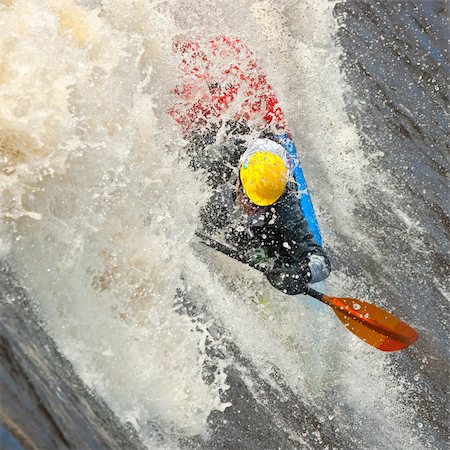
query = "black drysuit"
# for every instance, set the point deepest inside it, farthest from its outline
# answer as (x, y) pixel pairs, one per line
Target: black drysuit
(278, 233)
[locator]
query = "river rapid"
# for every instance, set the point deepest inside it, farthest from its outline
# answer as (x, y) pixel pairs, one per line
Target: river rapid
(123, 329)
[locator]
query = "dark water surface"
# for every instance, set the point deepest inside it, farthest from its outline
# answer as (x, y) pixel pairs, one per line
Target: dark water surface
(396, 59)
(396, 62)
(44, 403)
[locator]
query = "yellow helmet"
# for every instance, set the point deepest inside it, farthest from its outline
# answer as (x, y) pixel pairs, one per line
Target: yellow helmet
(264, 176)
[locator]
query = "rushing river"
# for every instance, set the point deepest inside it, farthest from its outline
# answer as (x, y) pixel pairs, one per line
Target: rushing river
(112, 315)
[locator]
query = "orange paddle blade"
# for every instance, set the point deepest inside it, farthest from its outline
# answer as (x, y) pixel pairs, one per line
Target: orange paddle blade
(372, 324)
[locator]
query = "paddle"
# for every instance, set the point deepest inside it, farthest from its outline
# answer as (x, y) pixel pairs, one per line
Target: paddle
(370, 323)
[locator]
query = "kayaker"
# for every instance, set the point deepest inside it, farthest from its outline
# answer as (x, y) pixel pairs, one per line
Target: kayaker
(256, 209)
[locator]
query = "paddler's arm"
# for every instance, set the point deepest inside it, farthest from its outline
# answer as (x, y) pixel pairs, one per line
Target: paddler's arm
(297, 235)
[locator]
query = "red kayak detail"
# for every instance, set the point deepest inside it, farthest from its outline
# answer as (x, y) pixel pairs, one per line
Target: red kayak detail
(220, 80)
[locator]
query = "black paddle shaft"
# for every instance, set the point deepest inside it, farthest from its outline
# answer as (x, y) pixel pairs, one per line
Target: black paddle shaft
(232, 253)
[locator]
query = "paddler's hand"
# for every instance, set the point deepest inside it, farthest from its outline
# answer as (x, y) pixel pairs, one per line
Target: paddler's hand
(290, 280)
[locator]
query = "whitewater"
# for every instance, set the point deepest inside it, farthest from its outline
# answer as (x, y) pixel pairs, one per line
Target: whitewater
(99, 212)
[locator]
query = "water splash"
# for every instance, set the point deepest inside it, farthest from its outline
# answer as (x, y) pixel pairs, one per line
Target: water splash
(98, 219)
(100, 211)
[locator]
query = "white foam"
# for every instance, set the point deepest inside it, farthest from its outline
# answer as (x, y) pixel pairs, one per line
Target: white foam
(102, 213)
